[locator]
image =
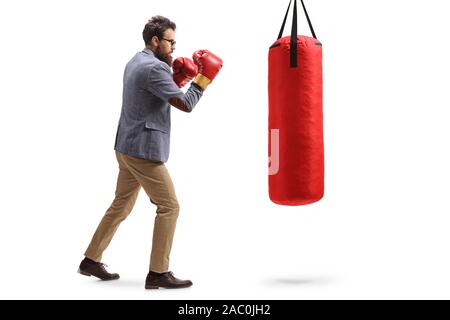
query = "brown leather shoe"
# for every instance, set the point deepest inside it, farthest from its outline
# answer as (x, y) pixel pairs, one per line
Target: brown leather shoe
(89, 268)
(166, 280)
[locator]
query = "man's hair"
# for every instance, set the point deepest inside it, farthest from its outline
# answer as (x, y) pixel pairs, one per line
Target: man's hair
(156, 27)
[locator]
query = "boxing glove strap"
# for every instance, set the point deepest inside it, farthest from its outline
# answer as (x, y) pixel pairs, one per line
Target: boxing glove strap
(202, 81)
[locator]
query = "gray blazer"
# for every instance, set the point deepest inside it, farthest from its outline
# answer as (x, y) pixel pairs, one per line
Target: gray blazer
(144, 124)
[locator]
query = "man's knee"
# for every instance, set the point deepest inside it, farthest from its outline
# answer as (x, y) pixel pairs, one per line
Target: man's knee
(175, 207)
(170, 208)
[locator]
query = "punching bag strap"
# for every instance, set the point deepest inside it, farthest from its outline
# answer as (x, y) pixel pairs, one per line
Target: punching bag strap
(293, 49)
(284, 21)
(309, 21)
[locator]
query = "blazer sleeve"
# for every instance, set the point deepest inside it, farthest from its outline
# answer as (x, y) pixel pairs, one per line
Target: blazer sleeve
(160, 83)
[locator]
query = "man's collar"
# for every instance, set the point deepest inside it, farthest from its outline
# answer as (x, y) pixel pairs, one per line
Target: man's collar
(148, 51)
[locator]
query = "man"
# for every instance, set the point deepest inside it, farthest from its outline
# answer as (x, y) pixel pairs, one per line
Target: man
(142, 146)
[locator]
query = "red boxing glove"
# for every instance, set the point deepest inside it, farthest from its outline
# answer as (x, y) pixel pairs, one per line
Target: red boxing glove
(184, 70)
(208, 67)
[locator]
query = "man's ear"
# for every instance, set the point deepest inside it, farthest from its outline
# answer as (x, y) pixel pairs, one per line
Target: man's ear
(154, 41)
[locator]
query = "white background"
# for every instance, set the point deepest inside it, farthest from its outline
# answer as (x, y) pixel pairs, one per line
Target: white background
(382, 229)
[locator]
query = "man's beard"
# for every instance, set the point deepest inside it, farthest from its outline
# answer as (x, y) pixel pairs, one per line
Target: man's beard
(167, 58)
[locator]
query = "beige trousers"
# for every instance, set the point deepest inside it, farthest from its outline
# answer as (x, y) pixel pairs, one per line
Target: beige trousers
(155, 180)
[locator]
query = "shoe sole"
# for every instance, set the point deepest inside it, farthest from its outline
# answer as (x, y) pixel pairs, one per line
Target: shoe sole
(88, 275)
(157, 287)
(151, 287)
(84, 273)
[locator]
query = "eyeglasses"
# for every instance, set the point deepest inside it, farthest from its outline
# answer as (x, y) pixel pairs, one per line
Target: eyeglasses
(172, 42)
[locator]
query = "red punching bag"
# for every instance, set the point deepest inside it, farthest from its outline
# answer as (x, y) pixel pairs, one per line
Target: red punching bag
(296, 156)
